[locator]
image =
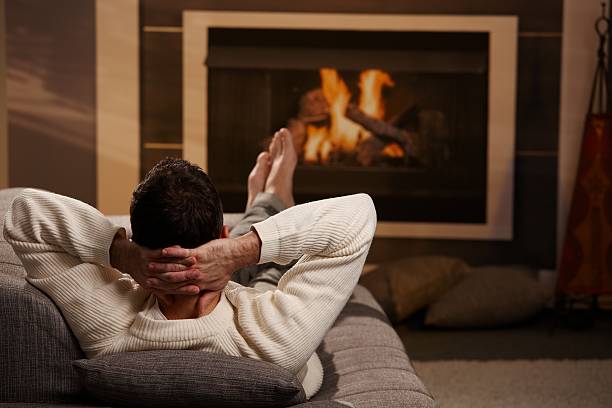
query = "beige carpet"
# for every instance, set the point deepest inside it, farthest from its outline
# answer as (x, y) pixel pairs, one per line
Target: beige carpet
(519, 383)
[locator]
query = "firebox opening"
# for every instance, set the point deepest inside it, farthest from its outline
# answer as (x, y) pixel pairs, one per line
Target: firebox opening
(399, 115)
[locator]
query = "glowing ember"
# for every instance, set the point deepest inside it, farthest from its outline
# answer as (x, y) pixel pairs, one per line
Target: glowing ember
(343, 134)
(393, 150)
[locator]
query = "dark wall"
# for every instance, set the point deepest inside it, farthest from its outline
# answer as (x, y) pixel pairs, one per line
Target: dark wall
(51, 95)
(539, 61)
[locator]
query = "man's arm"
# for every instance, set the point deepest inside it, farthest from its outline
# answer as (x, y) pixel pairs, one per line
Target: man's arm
(331, 238)
(40, 224)
(64, 247)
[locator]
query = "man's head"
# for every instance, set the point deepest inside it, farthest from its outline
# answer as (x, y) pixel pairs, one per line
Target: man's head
(176, 204)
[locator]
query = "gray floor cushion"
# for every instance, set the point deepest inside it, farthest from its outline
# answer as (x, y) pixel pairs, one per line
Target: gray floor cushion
(489, 296)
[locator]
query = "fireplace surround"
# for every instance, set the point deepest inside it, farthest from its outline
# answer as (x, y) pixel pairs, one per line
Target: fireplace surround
(245, 74)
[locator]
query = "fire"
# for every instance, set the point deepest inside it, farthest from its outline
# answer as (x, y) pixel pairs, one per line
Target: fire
(371, 83)
(316, 136)
(343, 134)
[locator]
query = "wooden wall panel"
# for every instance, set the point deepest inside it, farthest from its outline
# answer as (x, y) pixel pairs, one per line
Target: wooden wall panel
(51, 96)
(161, 87)
(4, 157)
(150, 156)
(538, 90)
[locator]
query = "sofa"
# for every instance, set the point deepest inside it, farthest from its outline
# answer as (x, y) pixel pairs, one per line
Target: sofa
(41, 363)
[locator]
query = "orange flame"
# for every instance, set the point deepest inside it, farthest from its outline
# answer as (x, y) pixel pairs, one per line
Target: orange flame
(316, 136)
(343, 134)
(371, 83)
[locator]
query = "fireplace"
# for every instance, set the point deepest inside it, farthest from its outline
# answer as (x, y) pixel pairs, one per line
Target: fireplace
(411, 116)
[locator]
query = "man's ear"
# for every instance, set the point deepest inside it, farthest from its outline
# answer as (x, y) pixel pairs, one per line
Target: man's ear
(224, 232)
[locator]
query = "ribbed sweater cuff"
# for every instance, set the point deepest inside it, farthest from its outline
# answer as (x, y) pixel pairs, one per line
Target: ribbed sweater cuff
(104, 236)
(268, 232)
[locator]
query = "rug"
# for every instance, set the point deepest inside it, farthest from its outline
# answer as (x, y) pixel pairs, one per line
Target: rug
(519, 383)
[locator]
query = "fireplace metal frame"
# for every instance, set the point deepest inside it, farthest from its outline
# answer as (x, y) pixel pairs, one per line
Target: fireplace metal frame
(503, 34)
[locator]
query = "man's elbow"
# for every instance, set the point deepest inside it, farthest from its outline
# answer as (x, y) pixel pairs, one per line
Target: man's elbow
(369, 213)
(17, 211)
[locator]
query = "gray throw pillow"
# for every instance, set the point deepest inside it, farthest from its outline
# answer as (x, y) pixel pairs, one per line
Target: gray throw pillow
(188, 378)
(488, 296)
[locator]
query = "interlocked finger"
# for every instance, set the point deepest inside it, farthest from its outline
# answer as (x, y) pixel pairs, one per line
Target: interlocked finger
(167, 267)
(181, 288)
(182, 277)
(190, 261)
(160, 267)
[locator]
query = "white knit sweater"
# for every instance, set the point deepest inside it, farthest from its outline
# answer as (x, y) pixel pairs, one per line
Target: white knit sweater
(64, 246)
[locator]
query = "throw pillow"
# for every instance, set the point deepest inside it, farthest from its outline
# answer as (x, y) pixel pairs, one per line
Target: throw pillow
(488, 296)
(187, 378)
(404, 286)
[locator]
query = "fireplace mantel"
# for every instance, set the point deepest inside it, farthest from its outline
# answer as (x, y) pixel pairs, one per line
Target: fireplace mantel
(502, 31)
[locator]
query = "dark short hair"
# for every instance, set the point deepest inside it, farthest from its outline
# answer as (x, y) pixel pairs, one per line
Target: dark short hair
(175, 204)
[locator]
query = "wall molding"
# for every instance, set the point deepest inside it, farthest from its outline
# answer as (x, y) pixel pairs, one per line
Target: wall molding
(117, 103)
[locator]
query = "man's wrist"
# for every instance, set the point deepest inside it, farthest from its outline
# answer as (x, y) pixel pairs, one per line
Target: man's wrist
(246, 250)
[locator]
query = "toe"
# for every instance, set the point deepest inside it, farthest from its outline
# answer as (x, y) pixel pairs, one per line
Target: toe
(263, 158)
(274, 145)
(287, 138)
(284, 132)
(288, 141)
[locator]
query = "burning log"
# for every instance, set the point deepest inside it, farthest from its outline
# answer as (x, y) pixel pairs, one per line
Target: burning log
(370, 151)
(383, 130)
(375, 151)
(313, 107)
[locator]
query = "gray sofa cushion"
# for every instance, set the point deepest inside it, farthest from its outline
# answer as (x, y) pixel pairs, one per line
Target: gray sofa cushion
(364, 360)
(188, 378)
(37, 346)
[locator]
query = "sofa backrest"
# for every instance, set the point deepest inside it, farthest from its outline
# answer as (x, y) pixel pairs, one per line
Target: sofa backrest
(36, 346)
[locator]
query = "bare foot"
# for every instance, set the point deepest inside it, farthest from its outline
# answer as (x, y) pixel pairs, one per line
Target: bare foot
(284, 159)
(274, 147)
(258, 176)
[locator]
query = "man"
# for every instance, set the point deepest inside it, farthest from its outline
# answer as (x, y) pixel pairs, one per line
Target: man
(74, 254)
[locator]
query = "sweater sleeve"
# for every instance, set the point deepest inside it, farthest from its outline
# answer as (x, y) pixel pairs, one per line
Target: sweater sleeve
(64, 246)
(331, 238)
